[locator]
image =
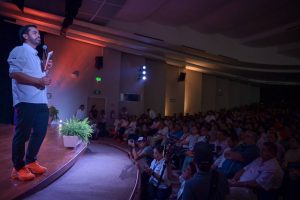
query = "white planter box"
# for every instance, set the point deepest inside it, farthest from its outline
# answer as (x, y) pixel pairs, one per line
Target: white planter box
(71, 141)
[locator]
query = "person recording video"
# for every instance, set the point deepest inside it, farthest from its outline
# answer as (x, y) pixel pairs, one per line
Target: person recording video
(142, 153)
(159, 186)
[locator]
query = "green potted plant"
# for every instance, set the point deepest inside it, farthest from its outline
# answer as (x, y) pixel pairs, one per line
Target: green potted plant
(53, 114)
(74, 131)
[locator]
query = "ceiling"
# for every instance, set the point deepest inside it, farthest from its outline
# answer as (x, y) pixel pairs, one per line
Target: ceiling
(255, 23)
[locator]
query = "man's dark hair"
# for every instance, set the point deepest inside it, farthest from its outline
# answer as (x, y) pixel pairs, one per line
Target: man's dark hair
(159, 148)
(193, 168)
(203, 156)
(25, 30)
(234, 137)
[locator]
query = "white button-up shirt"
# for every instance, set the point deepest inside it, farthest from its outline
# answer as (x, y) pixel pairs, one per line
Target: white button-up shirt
(25, 59)
(157, 167)
(267, 174)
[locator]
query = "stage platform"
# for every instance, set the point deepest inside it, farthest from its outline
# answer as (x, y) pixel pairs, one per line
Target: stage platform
(53, 155)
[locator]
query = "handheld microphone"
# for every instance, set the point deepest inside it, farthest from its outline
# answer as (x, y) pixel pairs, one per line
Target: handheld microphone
(45, 50)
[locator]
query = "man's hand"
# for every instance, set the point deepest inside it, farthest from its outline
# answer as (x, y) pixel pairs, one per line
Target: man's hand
(49, 65)
(131, 143)
(189, 153)
(232, 182)
(29, 80)
(44, 81)
(148, 170)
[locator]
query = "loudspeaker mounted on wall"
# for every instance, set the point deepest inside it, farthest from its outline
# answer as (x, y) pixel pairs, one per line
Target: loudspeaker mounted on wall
(99, 62)
(181, 77)
(75, 74)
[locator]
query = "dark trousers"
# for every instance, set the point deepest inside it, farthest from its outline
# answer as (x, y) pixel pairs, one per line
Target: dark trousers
(291, 189)
(31, 121)
(266, 195)
(155, 193)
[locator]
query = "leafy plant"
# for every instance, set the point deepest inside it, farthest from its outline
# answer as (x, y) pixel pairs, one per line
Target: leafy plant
(75, 127)
(53, 113)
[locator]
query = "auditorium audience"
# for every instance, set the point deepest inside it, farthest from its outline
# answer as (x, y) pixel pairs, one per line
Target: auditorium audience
(235, 138)
(93, 114)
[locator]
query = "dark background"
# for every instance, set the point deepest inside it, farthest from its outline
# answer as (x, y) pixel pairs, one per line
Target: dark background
(289, 95)
(9, 39)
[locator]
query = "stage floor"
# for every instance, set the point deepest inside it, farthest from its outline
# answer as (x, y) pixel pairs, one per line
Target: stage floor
(53, 155)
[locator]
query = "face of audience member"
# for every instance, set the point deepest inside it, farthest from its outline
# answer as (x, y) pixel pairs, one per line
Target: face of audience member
(185, 129)
(272, 137)
(249, 138)
(157, 155)
(294, 144)
(177, 127)
(161, 125)
(266, 154)
(141, 144)
(231, 143)
(194, 130)
(204, 131)
(220, 136)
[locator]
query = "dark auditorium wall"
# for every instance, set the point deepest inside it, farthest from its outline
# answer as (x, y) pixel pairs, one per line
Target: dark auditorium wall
(8, 37)
(281, 94)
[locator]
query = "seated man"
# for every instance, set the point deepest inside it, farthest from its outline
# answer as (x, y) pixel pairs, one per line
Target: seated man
(143, 157)
(206, 183)
(263, 174)
(144, 153)
(240, 156)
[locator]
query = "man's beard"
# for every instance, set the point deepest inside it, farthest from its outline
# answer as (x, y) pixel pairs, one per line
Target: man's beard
(36, 41)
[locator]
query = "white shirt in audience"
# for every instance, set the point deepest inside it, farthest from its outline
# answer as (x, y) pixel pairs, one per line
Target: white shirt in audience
(80, 114)
(267, 174)
(219, 161)
(157, 167)
(164, 131)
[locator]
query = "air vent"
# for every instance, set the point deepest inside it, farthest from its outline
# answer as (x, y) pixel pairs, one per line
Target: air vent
(145, 36)
(8, 19)
(293, 28)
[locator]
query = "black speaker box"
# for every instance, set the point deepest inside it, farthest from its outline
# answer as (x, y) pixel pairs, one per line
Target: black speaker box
(99, 62)
(181, 76)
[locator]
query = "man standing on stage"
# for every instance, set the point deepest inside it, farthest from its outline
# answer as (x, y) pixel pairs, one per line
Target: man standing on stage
(29, 82)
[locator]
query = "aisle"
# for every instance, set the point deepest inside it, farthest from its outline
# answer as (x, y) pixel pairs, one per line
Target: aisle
(103, 172)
